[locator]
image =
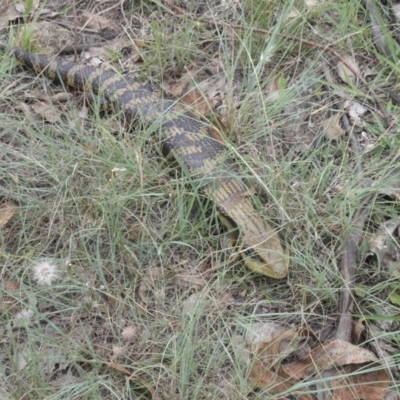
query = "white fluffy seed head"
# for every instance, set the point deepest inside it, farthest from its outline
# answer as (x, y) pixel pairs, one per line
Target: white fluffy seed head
(24, 315)
(45, 272)
(129, 334)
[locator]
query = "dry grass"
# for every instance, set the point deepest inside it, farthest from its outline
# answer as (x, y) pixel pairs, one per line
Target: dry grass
(144, 302)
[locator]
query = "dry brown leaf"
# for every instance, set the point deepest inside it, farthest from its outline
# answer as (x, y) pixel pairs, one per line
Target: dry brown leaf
(193, 98)
(21, 7)
(93, 59)
(133, 375)
(379, 242)
(95, 22)
(213, 89)
(197, 101)
(344, 72)
(332, 128)
(47, 111)
(12, 14)
(216, 130)
(24, 107)
(356, 112)
(193, 302)
(334, 353)
(11, 285)
(4, 6)
(260, 334)
(367, 386)
(153, 275)
(7, 210)
(188, 280)
(378, 34)
(117, 351)
(391, 184)
(177, 89)
(273, 90)
(4, 13)
(262, 376)
(343, 356)
(10, 11)
(358, 328)
(97, 53)
(117, 367)
(271, 342)
(124, 42)
(60, 97)
(10, 304)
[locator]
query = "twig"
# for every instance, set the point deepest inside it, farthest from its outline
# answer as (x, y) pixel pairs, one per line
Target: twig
(78, 48)
(75, 31)
(344, 327)
(349, 260)
(355, 145)
(378, 34)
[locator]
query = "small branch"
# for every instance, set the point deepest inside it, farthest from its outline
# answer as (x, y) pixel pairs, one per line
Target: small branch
(75, 31)
(378, 34)
(349, 261)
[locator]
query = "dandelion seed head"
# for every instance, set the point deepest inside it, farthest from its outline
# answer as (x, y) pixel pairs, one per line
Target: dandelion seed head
(45, 272)
(129, 334)
(24, 315)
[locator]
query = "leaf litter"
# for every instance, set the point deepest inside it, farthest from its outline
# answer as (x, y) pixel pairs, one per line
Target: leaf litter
(272, 348)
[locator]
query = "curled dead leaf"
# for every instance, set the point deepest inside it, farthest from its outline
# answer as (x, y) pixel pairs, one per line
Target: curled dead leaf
(7, 210)
(11, 285)
(178, 89)
(348, 69)
(196, 301)
(334, 353)
(352, 384)
(187, 279)
(148, 283)
(332, 127)
(95, 22)
(25, 8)
(10, 304)
(197, 101)
(385, 231)
(262, 376)
(358, 328)
(273, 90)
(259, 334)
(356, 112)
(192, 97)
(47, 111)
(271, 343)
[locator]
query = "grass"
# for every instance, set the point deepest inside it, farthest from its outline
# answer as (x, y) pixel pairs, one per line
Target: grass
(132, 241)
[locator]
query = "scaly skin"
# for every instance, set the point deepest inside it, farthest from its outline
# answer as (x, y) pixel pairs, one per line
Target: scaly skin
(187, 140)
